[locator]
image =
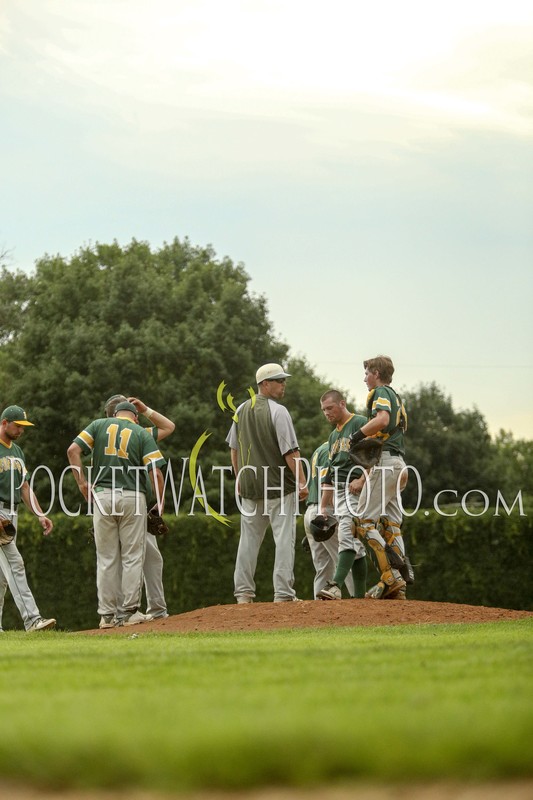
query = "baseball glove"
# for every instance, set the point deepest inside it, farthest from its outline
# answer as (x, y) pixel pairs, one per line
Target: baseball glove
(155, 524)
(366, 452)
(7, 530)
(322, 528)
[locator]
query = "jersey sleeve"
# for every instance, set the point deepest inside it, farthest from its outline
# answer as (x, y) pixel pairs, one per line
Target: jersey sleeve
(153, 432)
(232, 439)
(85, 439)
(381, 401)
(151, 454)
(285, 433)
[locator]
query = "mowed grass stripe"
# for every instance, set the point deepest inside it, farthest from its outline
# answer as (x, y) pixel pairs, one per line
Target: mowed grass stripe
(250, 709)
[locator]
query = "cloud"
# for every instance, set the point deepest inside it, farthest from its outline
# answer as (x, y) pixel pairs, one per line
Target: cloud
(290, 61)
(318, 143)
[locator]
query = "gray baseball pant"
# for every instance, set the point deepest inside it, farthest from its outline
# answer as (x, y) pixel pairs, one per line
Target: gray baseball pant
(153, 578)
(256, 516)
(120, 536)
(153, 581)
(380, 496)
(13, 574)
(325, 556)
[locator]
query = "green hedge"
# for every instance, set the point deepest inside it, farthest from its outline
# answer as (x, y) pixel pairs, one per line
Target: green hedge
(486, 560)
(483, 560)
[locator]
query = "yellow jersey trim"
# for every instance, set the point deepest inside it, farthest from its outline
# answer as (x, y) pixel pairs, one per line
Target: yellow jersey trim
(345, 423)
(155, 455)
(86, 439)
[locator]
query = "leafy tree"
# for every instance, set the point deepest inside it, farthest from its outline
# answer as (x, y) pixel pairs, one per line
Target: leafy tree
(450, 449)
(512, 465)
(13, 301)
(303, 400)
(180, 329)
(168, 326)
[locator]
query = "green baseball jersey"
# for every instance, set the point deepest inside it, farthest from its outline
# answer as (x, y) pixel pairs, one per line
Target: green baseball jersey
(319, 468)
(13, 473)
(384, 398)
(119, 447)
(339, 446)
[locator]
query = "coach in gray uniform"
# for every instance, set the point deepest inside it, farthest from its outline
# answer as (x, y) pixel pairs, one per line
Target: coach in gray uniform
(263, 444)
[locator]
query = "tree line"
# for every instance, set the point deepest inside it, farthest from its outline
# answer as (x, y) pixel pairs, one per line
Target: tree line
(179, 328)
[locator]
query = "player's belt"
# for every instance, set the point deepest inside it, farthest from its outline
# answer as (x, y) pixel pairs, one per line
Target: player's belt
(120, 489)
(7, 504)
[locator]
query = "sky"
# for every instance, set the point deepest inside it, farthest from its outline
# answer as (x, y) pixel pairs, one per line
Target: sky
(370, 164)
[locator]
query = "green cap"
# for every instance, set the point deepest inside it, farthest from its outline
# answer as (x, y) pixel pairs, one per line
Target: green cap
(15, 414)
(125, 406)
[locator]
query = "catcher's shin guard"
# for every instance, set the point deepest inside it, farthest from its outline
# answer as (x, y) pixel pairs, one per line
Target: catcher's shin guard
(368, 533)
(395, 548)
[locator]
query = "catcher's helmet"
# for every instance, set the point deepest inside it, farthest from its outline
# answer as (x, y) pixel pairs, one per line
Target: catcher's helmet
(322, 528)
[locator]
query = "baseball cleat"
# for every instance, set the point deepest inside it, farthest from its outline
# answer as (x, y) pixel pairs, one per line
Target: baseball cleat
(107, 621)
(376, 592)
(136, 618)
(330, 592)
(382, 590)
(41, 624)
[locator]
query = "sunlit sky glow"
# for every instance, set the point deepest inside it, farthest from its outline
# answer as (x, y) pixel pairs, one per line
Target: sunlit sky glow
(351, 155)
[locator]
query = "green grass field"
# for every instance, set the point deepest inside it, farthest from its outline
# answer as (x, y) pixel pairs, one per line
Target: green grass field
(295, 708)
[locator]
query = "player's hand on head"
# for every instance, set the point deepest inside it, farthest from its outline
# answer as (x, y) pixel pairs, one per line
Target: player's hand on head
(139, 405)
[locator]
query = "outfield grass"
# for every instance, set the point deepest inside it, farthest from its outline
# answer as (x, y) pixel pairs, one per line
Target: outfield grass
(241, 710)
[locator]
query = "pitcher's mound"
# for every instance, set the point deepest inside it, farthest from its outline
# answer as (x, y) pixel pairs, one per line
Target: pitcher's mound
(321, 613)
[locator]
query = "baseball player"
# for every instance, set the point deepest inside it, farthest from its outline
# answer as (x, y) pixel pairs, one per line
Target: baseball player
(386, 421)
(343, 483)
(161, 427)
(14, 488)
(124, 455)
(263, 444)
(324, 554)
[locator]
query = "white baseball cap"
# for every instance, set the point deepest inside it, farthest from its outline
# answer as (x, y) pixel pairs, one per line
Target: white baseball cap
(270, 372)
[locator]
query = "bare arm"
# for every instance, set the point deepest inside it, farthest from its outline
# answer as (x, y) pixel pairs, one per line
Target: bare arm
(74, 458)
(158, 485)
(235, 465)
(164, 425)
(30, 501)
(376, 424)
(326, 499)
(294, 463)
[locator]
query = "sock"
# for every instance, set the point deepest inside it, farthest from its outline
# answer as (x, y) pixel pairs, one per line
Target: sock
(359, 569)
(344, 565)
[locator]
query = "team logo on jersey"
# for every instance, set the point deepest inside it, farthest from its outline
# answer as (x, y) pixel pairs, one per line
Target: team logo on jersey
(225, 401)
(229, 399)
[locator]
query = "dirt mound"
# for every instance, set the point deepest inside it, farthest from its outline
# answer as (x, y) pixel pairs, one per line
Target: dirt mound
(321, 613)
